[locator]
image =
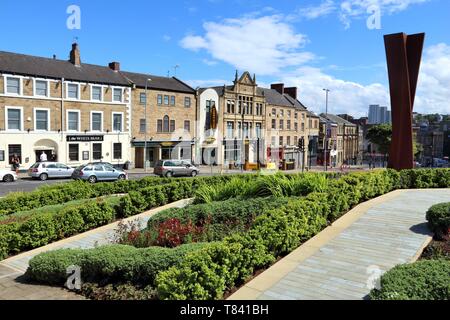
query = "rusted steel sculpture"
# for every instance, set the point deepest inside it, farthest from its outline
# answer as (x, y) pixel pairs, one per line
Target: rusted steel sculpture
(404, 53)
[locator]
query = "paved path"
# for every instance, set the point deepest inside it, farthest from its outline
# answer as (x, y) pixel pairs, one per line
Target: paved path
(340, 262)
(12, 269)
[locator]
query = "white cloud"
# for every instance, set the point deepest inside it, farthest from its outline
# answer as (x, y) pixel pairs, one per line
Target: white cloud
(264, 45)
(167, 37)
(209, 62)
(312, 12)
(433, 90)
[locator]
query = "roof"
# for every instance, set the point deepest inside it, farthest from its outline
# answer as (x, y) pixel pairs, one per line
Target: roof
(337, 119)
(162, 83)
(273, 97)
(26, 65)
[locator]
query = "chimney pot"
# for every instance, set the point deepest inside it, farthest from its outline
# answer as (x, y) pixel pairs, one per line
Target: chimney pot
(114, 66)
(278, 87)
(292, 91)
(75, 57)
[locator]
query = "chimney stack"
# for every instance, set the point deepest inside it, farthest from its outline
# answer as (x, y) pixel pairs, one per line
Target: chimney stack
(75, 57)
(115, 66)
(278, 87)
(292, 91)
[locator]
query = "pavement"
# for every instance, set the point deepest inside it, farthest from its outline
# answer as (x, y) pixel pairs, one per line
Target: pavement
(13, 285)
(346, 260)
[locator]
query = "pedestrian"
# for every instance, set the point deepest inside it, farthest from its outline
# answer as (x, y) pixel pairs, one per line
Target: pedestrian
(43, 157)
(15, 163)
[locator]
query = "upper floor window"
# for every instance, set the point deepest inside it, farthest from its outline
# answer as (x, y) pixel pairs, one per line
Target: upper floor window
(166, 100)
(230, 129)
(282, 113)
(14, 121)
(289, 124)
(96, 121)
(97, 93)
(160, 99)
(13, 85)
(72, 91)
(281, 124)
(117, 95)
(41, 88)
(42, 118)
(187, 102)
(187, 126)
(143, 98)
(289, 114)
(296, 115)
(274, 123)
(258, 130)
(142, 125)
(117, 122)
(172, 100)
(274, 112)
(73, 121)
(230, 106)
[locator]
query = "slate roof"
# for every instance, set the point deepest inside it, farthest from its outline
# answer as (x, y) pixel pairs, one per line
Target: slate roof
(162, 83)
(337, 119)
(273, 97)
(26, 65)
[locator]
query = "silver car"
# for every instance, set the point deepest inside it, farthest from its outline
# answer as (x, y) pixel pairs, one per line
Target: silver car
(50, 170)
(172, 168)
(94, 172)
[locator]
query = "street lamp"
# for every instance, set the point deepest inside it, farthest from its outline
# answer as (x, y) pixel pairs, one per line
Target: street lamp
(244, 105)
(327, 91)
(145, 117)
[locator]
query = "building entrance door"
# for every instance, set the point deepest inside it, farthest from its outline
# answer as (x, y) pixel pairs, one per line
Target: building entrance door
(139, 158)
(48, 153)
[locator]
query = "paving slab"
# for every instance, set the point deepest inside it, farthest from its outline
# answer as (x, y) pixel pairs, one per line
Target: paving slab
(338, 263)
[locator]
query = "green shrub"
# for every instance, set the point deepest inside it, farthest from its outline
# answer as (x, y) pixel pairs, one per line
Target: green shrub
(438, 217)
(423, 280)
(107, 264)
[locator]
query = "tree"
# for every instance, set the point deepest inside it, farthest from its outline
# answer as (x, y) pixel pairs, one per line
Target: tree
(381, 135)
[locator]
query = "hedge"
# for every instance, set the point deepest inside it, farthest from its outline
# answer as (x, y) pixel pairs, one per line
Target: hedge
(41, 229)
(438, 217)
(208, 273)
(219, 218)
(76, 190)
(423, 280)
(107, 264)
(280, 231)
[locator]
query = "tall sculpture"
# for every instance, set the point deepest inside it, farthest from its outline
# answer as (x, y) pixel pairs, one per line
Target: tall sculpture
(404, 53)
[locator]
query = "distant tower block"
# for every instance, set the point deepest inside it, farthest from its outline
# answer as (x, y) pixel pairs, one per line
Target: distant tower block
(404, 53)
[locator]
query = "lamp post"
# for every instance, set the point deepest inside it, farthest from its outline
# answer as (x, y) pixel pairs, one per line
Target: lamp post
(145, 117)
(326, 135)
(244, 105)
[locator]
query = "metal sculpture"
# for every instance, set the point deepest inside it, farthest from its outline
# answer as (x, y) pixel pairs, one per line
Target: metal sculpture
(404, 53)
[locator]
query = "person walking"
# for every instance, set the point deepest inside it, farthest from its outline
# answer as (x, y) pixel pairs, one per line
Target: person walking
(15, 163)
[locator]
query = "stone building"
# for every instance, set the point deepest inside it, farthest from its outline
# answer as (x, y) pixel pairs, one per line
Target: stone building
(72, 111)
(170, 111)
(251, 124)
(78, 113)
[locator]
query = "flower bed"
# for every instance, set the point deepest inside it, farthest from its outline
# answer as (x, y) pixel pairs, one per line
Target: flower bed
(209, 271)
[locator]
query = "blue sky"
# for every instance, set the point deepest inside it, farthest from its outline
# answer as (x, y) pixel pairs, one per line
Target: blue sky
(309, 44)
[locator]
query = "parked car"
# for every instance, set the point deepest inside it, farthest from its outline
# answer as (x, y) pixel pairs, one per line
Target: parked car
(100, 171)
(175, 168)
(8, 176)
(50, 170)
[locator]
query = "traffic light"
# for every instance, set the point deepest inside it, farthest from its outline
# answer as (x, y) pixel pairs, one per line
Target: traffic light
(301, 143)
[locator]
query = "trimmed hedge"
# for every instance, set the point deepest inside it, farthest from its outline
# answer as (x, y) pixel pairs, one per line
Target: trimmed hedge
(77, 190)
(41, 229)
(423, 280)
(217, 267)
(438, 217)
(220, 218)
(108, 264)
(280, 231)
